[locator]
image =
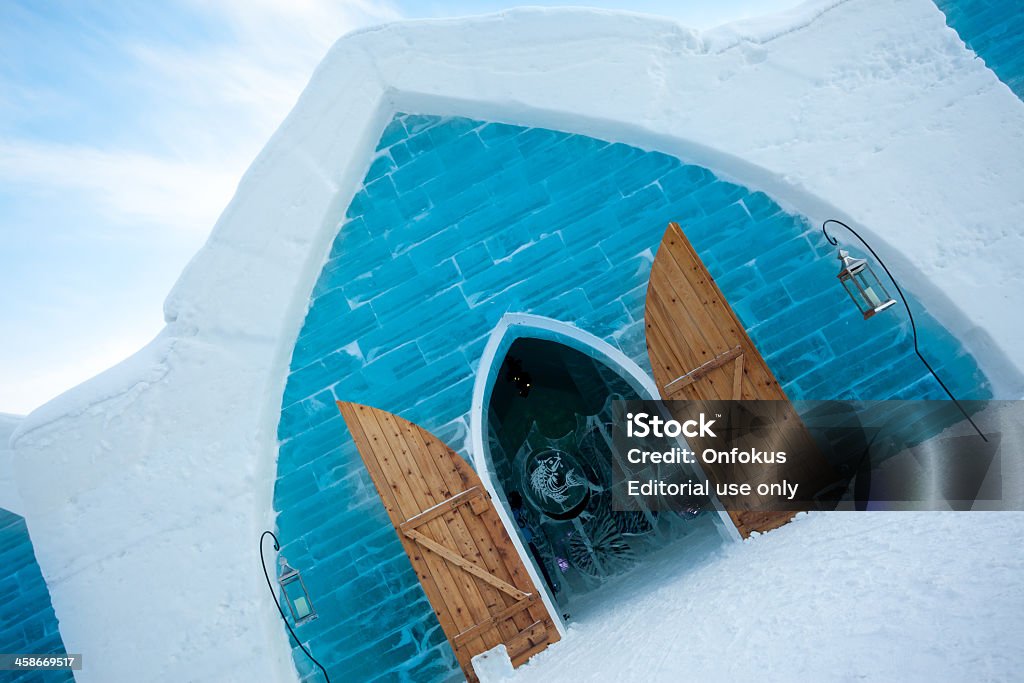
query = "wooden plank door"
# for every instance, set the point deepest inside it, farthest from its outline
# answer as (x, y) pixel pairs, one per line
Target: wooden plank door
(471, 572)
(700, 353)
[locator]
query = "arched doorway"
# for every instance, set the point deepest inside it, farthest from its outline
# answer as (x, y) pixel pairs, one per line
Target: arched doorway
(542, 434)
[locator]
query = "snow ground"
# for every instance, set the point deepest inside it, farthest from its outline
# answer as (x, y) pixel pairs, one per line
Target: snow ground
(845, 596)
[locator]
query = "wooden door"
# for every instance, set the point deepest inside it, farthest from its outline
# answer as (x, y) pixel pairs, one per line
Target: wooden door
(468, 567)
(700, 354)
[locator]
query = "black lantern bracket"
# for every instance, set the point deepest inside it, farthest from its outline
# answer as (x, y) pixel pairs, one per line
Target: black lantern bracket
(910, 314)
(266, 575)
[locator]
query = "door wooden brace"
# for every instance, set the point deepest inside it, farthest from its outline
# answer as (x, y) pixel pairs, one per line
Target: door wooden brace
(698, 372)
(443, 507)
(506, 613)
(465, 564)
(530, 640)
(737, 379)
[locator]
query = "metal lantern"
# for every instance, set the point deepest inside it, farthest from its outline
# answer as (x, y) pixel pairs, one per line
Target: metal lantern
(870, 295)
(295, 593)
(863, 286)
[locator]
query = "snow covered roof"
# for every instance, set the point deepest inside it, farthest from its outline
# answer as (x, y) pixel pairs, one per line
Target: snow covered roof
(867, 110)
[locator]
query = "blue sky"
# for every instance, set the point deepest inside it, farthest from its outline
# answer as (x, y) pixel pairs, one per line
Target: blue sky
(124, 128)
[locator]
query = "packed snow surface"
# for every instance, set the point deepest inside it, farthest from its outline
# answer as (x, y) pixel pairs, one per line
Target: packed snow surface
(895, 596)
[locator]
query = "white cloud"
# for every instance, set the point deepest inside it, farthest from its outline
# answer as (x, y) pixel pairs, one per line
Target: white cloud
(295, 31)
(200, 118)
(125, 187)
(212, 109)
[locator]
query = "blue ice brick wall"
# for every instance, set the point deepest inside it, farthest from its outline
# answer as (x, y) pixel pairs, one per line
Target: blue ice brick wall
(27, 622)
(461, 221)
(994, 29)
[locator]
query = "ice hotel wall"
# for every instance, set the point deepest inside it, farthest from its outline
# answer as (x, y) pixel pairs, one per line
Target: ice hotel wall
(460, 221)
(28, 624)
(994, 29)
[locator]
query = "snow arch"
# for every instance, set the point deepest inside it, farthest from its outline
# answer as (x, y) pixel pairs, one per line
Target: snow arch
(513, 326)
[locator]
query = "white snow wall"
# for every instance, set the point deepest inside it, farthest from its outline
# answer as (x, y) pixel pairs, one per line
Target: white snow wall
(10, 499)
(146, 488)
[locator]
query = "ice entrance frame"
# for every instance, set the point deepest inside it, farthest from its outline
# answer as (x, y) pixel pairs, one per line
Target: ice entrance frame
(515, 326)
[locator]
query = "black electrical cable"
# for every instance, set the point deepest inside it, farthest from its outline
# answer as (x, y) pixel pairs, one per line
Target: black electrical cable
(277, 546)
(913, 327)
